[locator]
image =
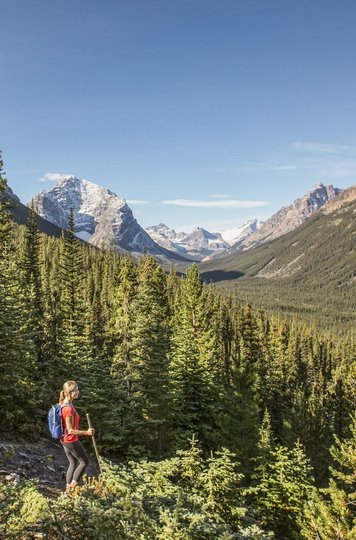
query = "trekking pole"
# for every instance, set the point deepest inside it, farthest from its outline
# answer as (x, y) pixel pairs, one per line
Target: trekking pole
(94, 444)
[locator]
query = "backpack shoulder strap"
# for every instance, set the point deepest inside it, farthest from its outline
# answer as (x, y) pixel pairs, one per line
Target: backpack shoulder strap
(66, 405)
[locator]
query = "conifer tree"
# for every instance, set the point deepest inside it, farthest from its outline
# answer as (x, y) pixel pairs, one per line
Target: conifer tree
(265, 449)
(149, 358)
(274, 380)
(283, 489)
(17, 356)
(74, 348)
(32, 285)
(240, 417)
(52, 313)
(119, 349)
(331, 513)
(5, 221)
(192, 356)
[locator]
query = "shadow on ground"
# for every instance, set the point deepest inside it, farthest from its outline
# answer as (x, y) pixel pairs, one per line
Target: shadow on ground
(220, 275)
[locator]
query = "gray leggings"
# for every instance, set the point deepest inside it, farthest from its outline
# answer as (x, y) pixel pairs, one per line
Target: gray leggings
(78, 460)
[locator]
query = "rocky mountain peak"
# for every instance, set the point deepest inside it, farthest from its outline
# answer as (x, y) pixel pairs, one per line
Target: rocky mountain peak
(100, 216)
(289, 217)
(197, 245)
(319, 185)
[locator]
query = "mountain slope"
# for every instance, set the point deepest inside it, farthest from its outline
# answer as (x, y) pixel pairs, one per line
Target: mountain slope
(309, 270)
(101, 217)
(289, 217)
(20, 213)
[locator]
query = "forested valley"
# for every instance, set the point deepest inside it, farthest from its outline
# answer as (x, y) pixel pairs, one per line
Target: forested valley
(214, 420)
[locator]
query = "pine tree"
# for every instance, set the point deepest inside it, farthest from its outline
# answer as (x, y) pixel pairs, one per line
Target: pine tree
(150, 348)
(283, 489)
(51, 249)
(74, 348)
(17, 357)
(331, 513)
(119, 349)
(240, 417)
(265, 448)
(5, 221)
(33, 287)
(192, 356)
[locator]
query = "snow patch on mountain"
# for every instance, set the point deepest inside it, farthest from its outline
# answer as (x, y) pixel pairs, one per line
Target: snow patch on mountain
(198, 245)
(241, 231)
(101, 217)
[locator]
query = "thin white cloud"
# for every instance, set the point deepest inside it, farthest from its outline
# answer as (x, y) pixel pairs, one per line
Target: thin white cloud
(54, 177)
(231, 203)
(261, 166)
(328, 162)
(136, 201)
(314, 147)
(218, 196)
(284, 168)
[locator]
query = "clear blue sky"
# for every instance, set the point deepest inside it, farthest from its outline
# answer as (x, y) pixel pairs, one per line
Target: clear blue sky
(217, 102)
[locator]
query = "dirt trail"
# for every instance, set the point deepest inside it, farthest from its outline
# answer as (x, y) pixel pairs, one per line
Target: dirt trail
(44, 461)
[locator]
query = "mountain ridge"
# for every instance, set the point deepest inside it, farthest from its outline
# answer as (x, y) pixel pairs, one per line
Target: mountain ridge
(308, 270)
(289, 217)
(197, 245)
(101, 217)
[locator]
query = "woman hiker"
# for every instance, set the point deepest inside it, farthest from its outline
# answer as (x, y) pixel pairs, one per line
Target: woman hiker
(76, 455)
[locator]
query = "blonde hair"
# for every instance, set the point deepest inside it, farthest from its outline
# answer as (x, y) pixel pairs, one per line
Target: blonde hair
(68, 387)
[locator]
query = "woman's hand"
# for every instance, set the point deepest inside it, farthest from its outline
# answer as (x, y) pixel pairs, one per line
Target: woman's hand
(90, 432)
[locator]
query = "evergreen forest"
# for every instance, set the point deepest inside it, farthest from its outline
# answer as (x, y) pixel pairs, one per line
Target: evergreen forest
(214, 419)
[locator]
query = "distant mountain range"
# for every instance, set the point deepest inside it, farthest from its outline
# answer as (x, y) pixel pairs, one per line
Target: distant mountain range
(288, 218)
(202, 245)
(302, 260)
(309, 270)
(197, 245)
(105, 220)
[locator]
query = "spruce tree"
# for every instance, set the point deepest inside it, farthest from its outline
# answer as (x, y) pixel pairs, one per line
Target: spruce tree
(283, 489)
(239, 419)
(32, 285)
(17, 354)
(150, 348)
(74, 348)
(119, 349)
(191, 358)
(331, 513)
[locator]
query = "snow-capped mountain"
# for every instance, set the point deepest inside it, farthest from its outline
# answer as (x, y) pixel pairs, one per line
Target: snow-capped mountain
(289, 217)
(105, 220)
(101, 217)
(197, 245)
(241, 231)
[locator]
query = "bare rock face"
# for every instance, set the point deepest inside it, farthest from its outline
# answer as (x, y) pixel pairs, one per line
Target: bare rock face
(348, 196)
(101, 217)
(11, 194)
(289, 217)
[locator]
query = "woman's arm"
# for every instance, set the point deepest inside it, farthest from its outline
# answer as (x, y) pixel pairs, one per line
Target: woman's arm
(72, 431)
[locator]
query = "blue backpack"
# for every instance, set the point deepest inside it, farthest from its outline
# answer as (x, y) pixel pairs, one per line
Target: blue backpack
(55, 420)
